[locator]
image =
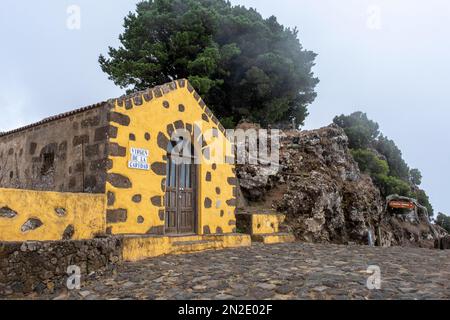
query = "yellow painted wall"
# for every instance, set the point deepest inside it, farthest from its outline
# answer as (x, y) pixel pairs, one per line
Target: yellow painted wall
(85, 212)
(274, 238)
(266, 223)
(139, 122)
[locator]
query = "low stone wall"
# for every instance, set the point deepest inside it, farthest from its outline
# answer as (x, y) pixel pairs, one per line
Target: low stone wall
(41, 267)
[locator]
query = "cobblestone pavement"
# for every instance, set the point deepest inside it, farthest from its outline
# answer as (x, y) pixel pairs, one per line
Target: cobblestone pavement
(286, 271)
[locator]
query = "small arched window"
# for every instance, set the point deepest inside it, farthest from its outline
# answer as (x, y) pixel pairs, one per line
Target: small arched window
(48, 161)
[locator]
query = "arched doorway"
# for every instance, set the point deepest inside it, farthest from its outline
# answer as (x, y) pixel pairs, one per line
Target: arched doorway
(181, 191)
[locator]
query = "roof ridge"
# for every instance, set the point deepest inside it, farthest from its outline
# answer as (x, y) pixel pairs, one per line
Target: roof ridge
(53, 118)
(149, 93)
(82, 109)
(127, 101)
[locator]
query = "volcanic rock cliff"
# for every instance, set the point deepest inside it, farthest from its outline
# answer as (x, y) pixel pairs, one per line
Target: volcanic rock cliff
(324, 195)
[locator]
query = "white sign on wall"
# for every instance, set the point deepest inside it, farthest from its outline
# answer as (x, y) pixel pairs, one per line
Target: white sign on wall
(139, 159)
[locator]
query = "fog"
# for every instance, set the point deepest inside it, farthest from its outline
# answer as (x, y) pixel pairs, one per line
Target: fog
(388, 58)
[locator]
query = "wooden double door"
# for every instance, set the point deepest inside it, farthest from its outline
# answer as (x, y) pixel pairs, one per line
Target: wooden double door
(181, 197)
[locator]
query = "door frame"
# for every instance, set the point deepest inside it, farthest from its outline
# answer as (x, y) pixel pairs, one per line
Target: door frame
(195, 198)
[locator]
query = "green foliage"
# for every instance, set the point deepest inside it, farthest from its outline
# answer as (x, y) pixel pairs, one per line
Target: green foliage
(443, 221)
(369, 162)
(378, 169)
(416, 176)
(228, 122)
(360, 130)
(397, 166)
(242, 64)
(391, 185)
(364, 133)
(424, 200)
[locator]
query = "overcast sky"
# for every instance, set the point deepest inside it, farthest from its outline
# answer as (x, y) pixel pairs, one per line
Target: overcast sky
(389, 58)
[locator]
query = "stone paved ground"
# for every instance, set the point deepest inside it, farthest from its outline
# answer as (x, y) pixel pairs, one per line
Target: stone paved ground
(286, 271)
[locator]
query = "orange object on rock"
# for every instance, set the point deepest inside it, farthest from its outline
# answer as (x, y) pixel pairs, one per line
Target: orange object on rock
(401, 205)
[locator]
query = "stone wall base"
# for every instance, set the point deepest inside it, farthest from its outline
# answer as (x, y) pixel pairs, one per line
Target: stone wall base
(42, 267)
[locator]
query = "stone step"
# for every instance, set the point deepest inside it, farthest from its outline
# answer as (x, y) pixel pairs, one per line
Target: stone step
(194, 246)
(273, 238)
(188, 243)
(185, 238)
(139, 247)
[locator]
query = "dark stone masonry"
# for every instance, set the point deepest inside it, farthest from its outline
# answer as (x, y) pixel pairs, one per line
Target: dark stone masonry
(62, 153)
(41, 267)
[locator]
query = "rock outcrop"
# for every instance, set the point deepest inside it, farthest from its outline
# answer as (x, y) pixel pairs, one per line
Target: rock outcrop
(324, 195)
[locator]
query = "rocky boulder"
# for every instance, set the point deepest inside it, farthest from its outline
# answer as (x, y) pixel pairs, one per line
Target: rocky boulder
(324, 195)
